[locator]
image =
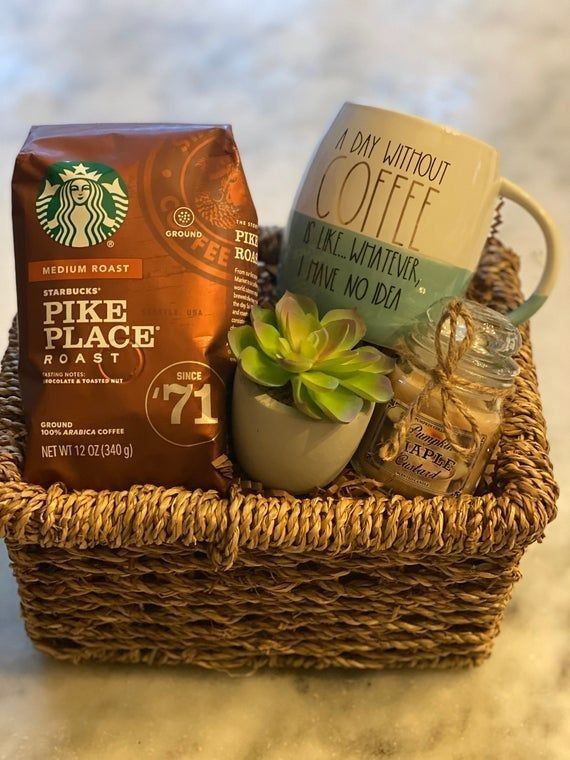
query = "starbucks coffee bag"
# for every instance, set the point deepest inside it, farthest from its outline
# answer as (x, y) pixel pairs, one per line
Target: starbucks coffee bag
(136, 250)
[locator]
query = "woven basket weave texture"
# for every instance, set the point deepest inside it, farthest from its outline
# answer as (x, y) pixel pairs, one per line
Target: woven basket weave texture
(352, 579)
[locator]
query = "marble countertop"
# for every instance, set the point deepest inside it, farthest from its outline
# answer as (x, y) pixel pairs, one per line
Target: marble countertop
(279, 71)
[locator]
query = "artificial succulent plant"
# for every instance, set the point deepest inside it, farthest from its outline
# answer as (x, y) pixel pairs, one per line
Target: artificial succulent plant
(329, 377)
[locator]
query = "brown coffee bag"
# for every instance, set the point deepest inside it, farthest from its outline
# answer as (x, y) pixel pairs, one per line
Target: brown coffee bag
(136, 250)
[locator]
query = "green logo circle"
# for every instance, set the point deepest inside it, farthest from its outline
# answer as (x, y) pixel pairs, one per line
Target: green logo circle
(81, 203)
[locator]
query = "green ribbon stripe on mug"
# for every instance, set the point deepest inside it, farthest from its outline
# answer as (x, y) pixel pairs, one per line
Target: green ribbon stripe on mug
(388, 285)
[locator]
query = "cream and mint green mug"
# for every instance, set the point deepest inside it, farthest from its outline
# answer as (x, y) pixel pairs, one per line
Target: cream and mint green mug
(392, 215)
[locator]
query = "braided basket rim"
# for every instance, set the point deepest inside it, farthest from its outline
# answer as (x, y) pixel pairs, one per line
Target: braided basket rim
(512, 513)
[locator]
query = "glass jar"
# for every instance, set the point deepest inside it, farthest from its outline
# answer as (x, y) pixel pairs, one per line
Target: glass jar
(427, 461)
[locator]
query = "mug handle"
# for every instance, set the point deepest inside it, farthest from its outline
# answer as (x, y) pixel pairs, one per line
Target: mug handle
(515, 193)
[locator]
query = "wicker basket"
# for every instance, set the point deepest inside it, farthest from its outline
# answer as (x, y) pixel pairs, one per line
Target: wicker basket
(164, 575)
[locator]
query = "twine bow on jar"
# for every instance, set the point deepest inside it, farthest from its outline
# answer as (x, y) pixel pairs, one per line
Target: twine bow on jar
(444, 380)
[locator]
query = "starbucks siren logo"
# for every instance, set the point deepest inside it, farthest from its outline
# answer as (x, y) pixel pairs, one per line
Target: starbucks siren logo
(81, 203)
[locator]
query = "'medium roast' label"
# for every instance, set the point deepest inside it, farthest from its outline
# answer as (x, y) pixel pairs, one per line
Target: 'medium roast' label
(136, 251)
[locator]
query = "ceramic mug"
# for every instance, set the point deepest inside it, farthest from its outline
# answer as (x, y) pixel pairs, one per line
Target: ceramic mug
(392, 215)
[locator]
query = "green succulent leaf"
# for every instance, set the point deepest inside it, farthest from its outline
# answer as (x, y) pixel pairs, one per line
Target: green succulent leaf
(297, 317)
(261, 369)
(284, 307)
(261, 314)
(240, 338)
(383, 365)
(341, 404)
(336, 315)
(370, 386)
(363, 359)
(295, 362)
(296, 303)
(268, 338)
(318, 381)
(373, 360)
(370, 355)
(314, 344)
(337, 336)
(308, 348)
(291, 360)
(303, 401)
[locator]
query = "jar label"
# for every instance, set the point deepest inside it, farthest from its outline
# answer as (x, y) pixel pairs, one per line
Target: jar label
(427, 460)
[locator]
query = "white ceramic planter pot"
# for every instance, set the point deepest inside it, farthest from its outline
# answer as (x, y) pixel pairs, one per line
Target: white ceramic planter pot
(282, 448)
